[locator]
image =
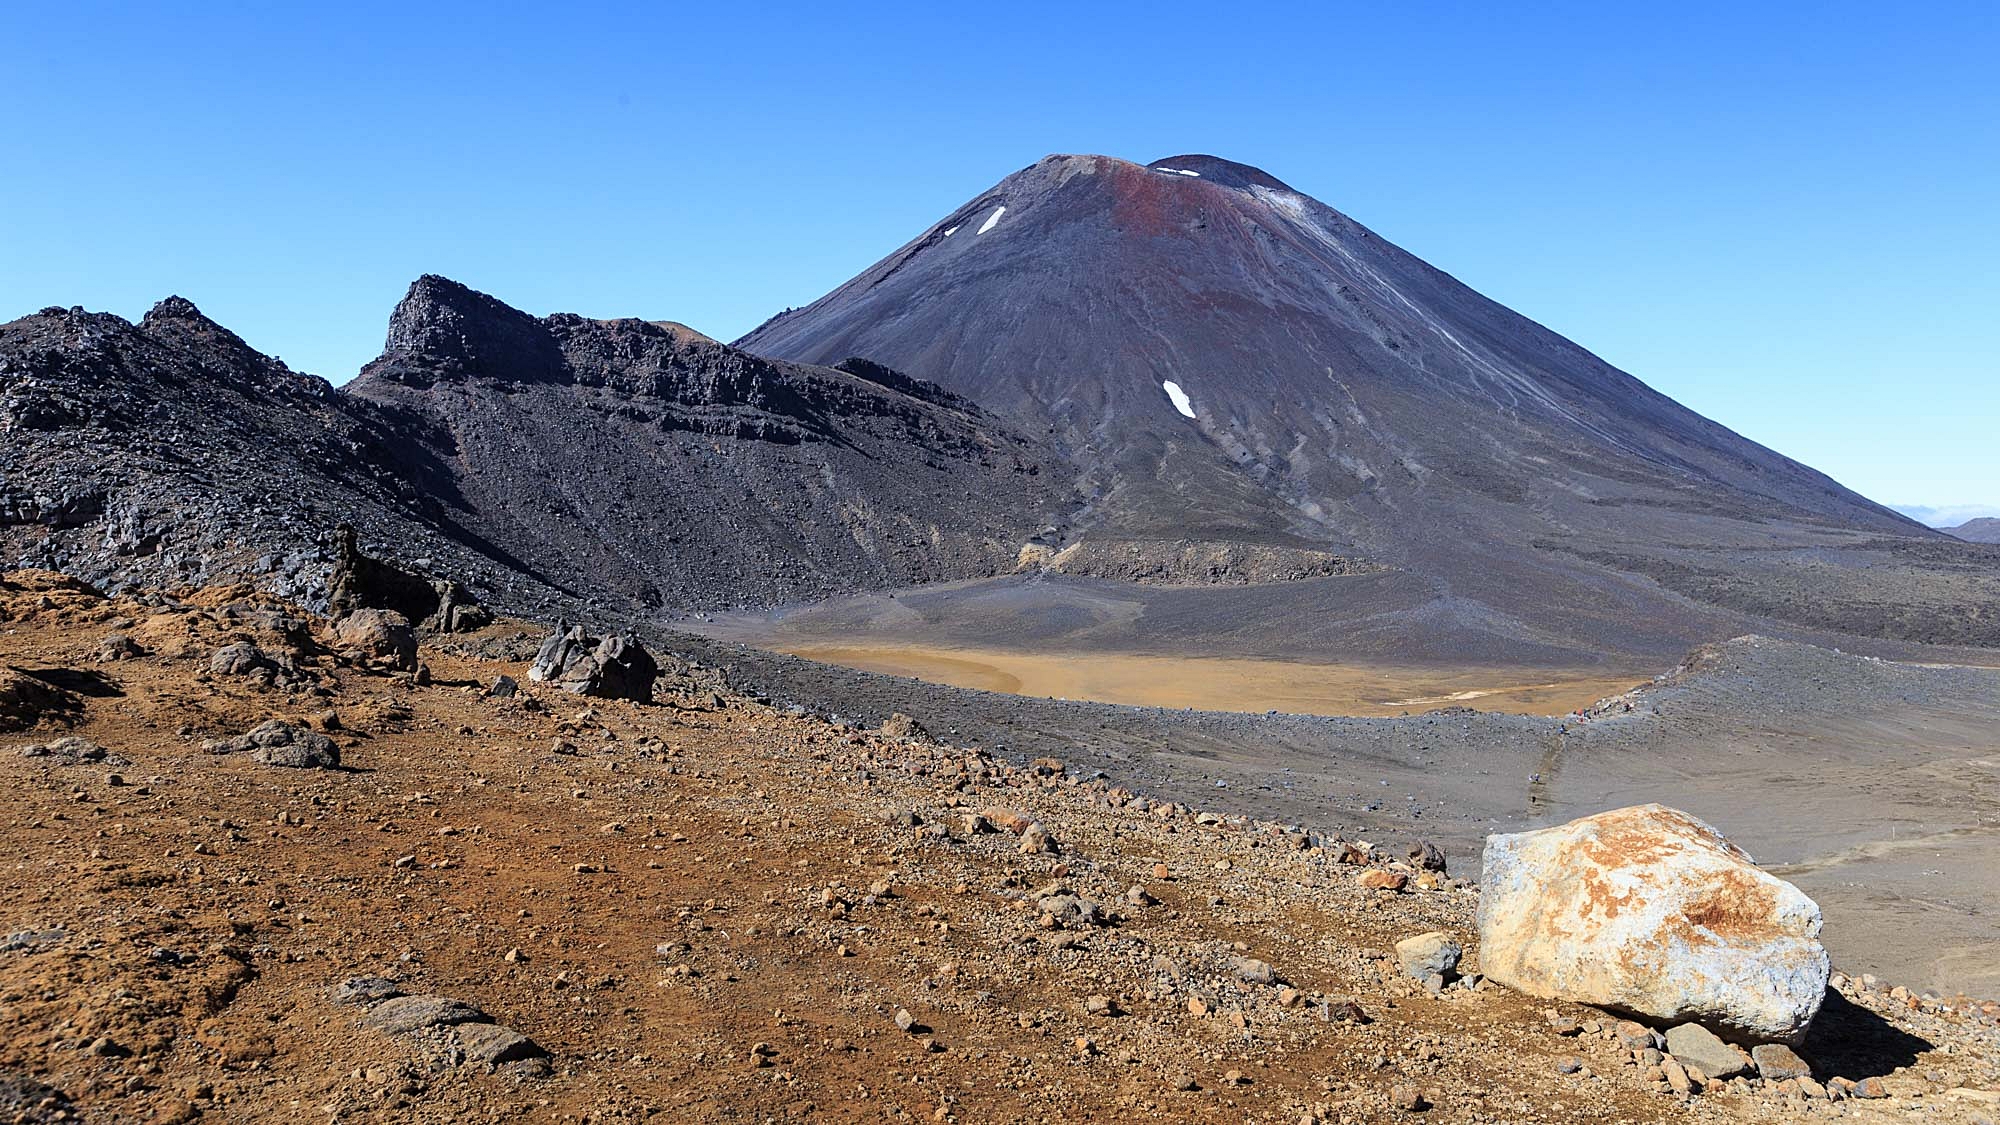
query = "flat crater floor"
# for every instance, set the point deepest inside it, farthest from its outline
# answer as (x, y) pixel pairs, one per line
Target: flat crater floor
(1223, 683)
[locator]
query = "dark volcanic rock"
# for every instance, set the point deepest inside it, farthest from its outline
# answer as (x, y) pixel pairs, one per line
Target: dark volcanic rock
(170, 452)
(242, 658)
(682, 472)
(534, 464)
(610, 667)
(359, 583)
(278, 743)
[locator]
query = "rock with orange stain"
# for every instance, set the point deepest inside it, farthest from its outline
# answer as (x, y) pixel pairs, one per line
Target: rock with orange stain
(1647, 910)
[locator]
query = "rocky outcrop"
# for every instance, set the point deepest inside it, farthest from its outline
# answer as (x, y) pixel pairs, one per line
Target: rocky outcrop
(1647, 910)
(74, 751)
(451, 1030)
(1183, 562)
(607, 667)
(539, 462)
(457, 610)
(278, 743)
(361, 582)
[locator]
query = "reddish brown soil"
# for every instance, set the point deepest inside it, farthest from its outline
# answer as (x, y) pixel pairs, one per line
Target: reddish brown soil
(589, 836)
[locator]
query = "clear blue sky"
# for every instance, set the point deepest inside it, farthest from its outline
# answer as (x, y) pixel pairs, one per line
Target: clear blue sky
(1786, 216)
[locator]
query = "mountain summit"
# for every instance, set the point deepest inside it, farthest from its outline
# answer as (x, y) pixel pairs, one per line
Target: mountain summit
(1222, 356)
(1200, 314)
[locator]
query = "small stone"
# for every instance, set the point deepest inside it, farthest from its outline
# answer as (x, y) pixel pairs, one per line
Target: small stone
(1777, 1062)
(515, 956)
(1633, 1034)
(365, 990)
(278, 743)
(1382, 879)
(1253, 971)
(1697, 1046)
(1234, 1078)
(1007, 819)
(1871, 1088)
(904, 1020)
(1408, 1099)
(1427, 857)
(1342, 1011)
(493, 1044)
(1428, 955)
(1568, 1064)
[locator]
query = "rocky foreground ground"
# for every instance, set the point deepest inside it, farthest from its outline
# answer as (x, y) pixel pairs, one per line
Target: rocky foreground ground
(259, 874)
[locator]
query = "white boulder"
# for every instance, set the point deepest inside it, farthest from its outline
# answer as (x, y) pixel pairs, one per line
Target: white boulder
(1647, 910)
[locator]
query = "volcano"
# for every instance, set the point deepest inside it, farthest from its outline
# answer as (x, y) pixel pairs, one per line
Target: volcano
(1221, 357)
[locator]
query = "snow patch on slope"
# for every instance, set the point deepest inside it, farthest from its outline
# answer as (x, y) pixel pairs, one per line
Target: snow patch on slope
(990, 219)
(1177, 171)
(1179, 396)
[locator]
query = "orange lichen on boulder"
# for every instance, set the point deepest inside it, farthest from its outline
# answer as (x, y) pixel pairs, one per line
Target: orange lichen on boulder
(1650, 911)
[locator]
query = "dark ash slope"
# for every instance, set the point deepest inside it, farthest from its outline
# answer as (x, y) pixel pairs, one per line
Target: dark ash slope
(688, 473)
(1346, 394)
